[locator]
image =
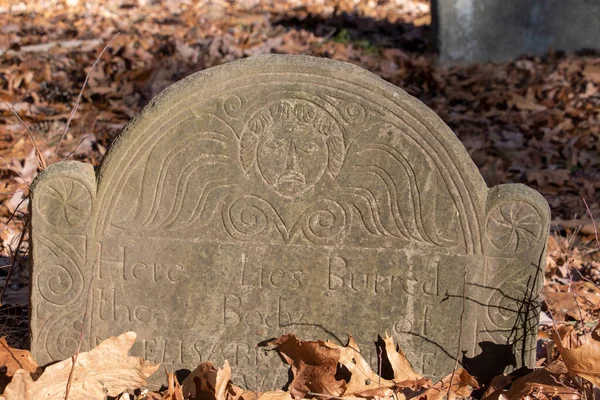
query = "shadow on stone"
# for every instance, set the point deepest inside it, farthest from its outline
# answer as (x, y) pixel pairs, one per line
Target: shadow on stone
(492, 361)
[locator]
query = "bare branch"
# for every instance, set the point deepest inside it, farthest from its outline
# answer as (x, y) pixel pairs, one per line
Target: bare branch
(40, 161)
(78, 101)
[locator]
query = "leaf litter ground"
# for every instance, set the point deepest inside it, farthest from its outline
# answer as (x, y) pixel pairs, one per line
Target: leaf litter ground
(532, 120)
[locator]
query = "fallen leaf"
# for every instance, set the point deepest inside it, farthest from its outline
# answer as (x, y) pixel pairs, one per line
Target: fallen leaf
(313, 365)
(275, 395)
(561, 304)
(363, 379)
(222, 381)
(241, 394)
(174, 391)
(525, 104)
(105, 370)
(365, 382)
(592, 72)
(460, 383)
(498, 383)
(403, 371)
(543, 383)
(15, 359)
(583, 358)
(201, 382)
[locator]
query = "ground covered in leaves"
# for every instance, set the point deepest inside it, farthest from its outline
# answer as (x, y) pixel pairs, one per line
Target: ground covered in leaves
(531, 120)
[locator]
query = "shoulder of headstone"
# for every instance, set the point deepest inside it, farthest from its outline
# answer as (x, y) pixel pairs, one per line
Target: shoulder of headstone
(68, 169)
(517, 192)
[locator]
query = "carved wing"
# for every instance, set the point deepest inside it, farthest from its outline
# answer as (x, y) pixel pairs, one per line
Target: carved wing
(396, 188)
(184, 177)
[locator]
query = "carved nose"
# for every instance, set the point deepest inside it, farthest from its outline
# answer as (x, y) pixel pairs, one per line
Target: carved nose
(292, 173)
(292, 158)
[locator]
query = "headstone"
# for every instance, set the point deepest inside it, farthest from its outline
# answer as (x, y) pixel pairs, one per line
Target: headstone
(277, 194)
(498, 30)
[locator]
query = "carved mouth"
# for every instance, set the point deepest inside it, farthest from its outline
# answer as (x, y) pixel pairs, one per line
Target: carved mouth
(291, 177)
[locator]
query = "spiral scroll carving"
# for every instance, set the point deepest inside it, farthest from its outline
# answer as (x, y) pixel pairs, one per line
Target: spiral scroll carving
(55, 282)
(232, 105)
(62, 336)
(323, 222)
(60, 281)
(354, 113)
(514, 303)
(250, 216)
(504, 303)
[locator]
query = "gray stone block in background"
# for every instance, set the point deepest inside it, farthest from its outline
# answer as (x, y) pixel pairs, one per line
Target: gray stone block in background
(286, 193)
(501, 30)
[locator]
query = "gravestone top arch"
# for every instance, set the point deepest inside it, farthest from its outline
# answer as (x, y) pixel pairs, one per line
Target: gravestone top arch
(285, 193)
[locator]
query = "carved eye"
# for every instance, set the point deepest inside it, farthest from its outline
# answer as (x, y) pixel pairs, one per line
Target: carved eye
(310, 147)
(276, 144)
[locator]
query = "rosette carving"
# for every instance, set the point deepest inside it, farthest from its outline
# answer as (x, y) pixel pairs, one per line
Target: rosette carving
(64, 202)
(514, 226)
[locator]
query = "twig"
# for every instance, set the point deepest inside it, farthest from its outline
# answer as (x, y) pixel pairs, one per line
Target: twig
(14, 260)
(76, 106)
(329, 35)
(380, 366)
(16, 209)
(13, 169)
(40, 161)
(45, 47)
(329, 396)
(587, 280)
(76, 147)
(460, 331)
(575, 298)
(15, 192)
(593, 222)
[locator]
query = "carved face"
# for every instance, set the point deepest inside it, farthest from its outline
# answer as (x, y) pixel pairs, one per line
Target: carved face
(292, 156)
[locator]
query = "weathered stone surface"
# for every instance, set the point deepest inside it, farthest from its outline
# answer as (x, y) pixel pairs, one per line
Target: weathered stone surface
(277, 194)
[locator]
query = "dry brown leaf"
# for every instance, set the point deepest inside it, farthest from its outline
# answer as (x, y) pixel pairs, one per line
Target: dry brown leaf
(313, 365)
(543, 383)
(275, 395)
(562, 304)
(592, 72)
(174, 391)
(525, 104)
(241, 394)
(238, 393)
(581, 360)
(223, 380)
(363, 381)
(15, 359)
(462, 386)
(497, 385)
(588, 295)
(105, 370)
(403, 371)
(201, 382)
(151, 396)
